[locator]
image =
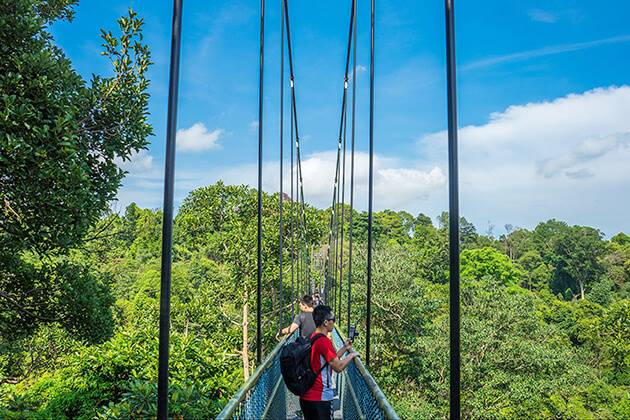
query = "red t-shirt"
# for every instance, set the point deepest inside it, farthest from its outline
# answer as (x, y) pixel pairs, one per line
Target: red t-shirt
(321, 352)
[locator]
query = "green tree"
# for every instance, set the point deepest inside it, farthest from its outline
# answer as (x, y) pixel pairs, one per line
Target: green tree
(517, 242)
(61, 140)
(429, 252)
(621, 239)
(422, 220)
(537, 274)
(468, 236)
(545, 236)
(60, 137)
(579, 250)
(477, 264)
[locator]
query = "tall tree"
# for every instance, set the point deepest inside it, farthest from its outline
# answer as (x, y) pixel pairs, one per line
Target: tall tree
(579, 251)
(60, 136)
(61, 139)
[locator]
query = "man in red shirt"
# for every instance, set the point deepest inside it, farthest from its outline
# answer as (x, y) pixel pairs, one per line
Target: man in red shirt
(316, 403)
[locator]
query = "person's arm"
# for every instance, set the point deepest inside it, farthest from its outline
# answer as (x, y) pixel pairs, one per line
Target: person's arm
(339, 365)
(289, 329)
(346, 347)
(297, 321)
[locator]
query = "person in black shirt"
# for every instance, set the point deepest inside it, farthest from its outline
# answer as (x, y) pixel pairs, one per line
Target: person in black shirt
(303, 320)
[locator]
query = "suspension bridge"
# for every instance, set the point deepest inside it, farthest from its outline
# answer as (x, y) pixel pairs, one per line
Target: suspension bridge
(357, 395)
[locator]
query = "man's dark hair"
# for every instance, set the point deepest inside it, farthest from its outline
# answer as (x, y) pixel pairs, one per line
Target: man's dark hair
(320, 313)
(307, 300)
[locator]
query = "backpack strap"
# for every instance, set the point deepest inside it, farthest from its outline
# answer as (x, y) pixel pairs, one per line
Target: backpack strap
(313, 340)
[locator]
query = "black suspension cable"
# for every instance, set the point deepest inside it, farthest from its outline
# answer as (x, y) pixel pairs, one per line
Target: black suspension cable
(167, 220)
(337, 235)
(368, 321)
(354, 97)
(343, 202)
(299, 180)
(453, 199)
(292, 224)
(294, 109)
(281, 198)
(336, 267)
(260, 160)
(332, 241)
(333, 216)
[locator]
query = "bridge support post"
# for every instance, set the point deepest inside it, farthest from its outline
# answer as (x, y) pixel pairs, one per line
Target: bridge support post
(453, 199)
(167, 221)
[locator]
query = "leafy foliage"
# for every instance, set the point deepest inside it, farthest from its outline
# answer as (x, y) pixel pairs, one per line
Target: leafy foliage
(60, 140)
(60, 137)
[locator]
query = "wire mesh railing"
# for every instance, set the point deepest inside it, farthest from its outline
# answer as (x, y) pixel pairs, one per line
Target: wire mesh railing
(361, 397)
(264, 395)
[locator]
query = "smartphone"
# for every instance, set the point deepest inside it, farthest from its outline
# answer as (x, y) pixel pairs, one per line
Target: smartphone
(352, 333)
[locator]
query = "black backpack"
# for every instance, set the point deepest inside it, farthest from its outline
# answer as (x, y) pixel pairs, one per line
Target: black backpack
(295, 364)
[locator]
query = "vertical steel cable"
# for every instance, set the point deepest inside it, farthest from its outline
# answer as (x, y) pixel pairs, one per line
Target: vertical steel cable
(260, 159)
(167, 220)
(281, 198)
(300, 246)
(453, 199)
(343, 202)
(292, 223)
(368, 321)
(333, 216)
(336, 267)
(354, 97)
(299, 180)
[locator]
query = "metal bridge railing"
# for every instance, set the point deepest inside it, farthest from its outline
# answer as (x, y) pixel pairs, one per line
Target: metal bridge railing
(264, 395)
(360, 395)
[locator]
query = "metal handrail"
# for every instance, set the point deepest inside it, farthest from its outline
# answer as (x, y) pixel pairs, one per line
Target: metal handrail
(378, 395)
(242, 394)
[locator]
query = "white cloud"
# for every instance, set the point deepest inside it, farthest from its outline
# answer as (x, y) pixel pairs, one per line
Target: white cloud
(586, 150)
(197, 138)
(565, 158)
(395, 185)
(138, 162)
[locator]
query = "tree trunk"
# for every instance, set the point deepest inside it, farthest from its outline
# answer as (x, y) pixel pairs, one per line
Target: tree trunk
(245, 351)
(581, 283)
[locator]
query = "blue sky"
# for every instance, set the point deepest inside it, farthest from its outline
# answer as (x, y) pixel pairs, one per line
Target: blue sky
(543, 103)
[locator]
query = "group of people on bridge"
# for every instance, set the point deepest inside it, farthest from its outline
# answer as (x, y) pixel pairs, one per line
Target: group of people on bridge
(316, 322)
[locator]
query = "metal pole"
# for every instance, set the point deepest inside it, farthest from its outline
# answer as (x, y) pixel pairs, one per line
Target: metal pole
(354, 96)
(368, 321)
(343, 214)
(293, 295)
(281, 154)
(167, 221)
(453, 199)
(260, 153)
